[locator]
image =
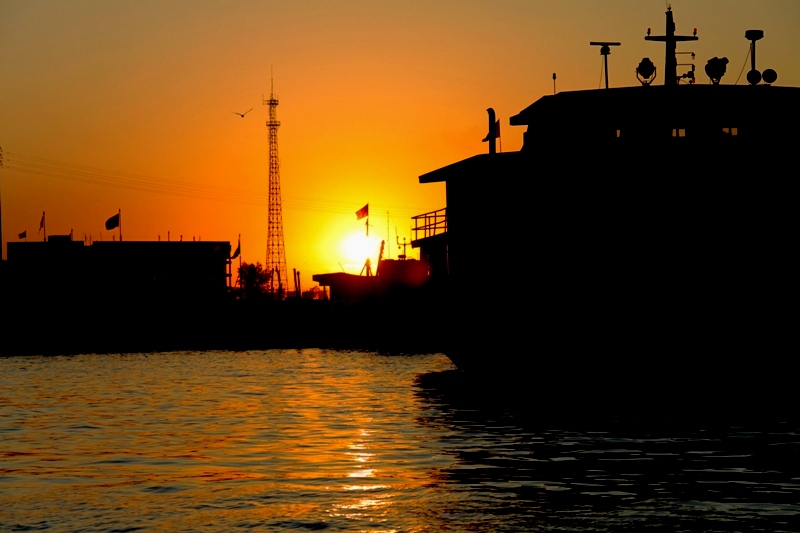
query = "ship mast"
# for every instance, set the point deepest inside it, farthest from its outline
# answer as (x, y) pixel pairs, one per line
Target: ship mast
(671, 40)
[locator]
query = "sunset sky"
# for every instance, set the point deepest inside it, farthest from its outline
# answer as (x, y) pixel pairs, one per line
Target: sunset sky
(108, 105)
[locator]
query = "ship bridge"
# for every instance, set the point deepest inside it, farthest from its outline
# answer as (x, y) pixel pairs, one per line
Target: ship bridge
(647, 114)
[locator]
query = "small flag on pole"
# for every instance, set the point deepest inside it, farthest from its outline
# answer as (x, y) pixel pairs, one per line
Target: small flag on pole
(41, 223)
(493, 134)
(238, 249)
(112, 222)
(363, 212)
(23, 235)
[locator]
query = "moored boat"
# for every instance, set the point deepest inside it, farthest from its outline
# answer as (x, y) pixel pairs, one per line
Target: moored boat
(652, 227)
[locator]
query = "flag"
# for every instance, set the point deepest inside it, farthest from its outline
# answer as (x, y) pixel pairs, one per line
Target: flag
(41, 224)
(113, 222)
(496, 132)
(238, 250)
(363, 212)
(23, 235)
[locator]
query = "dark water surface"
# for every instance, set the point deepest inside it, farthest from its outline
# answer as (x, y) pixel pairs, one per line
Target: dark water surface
(348, 441)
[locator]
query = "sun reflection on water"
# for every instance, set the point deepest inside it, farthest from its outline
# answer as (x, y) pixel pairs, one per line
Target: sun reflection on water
(366, 472)
(365, 487)
(362, 456)
(284, 440)
(313, 440)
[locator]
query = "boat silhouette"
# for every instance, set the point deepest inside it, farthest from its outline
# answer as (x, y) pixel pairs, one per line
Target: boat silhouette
(642, 239)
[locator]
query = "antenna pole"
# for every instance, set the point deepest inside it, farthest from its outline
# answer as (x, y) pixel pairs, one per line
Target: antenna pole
(753, 36)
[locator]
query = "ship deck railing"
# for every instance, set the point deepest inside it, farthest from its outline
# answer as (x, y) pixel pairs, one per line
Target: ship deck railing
(430, 224)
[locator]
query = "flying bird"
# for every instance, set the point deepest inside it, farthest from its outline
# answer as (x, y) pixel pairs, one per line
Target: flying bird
(242, 114)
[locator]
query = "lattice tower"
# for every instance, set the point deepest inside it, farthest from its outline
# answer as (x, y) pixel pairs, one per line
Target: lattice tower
(276, 253)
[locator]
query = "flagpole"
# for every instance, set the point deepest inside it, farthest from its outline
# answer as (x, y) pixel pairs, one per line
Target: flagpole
(119, 214)
(44, 226)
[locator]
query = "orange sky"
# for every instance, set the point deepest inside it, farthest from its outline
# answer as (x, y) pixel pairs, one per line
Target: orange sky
(131, 104)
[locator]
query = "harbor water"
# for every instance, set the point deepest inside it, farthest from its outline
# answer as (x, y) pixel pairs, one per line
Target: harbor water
(315, 440)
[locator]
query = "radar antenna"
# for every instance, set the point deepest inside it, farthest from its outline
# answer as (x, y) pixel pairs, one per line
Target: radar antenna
(604, 51)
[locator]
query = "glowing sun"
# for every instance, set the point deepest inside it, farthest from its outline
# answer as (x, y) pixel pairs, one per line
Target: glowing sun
(357, 247)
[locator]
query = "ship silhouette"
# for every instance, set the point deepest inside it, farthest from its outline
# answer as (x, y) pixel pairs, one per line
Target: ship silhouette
(642, 238)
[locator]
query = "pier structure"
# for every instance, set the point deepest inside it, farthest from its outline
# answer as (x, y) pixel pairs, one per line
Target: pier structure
(276, 252)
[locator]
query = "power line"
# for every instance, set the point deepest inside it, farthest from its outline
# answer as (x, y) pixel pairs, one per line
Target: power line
(49, 168)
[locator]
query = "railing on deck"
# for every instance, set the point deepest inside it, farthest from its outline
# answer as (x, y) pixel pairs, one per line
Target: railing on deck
(430, 224)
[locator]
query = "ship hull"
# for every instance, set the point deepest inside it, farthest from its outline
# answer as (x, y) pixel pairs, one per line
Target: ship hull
(675, 361)
(668, 296)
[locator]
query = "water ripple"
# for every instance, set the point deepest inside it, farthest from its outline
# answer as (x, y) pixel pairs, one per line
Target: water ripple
(312, 440)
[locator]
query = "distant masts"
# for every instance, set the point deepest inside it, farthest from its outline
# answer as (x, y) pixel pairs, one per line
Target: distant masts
(276, 253)
(604, 51)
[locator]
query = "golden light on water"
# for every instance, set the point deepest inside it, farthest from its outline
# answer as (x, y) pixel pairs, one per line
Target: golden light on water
(367, 472)
(361, 456)
(292, 440)
(358, 509)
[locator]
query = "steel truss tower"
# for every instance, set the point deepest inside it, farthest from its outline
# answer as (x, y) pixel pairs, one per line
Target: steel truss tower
(276, 253)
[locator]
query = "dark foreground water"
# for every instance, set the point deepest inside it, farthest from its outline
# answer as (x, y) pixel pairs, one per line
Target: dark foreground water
(337, 441)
